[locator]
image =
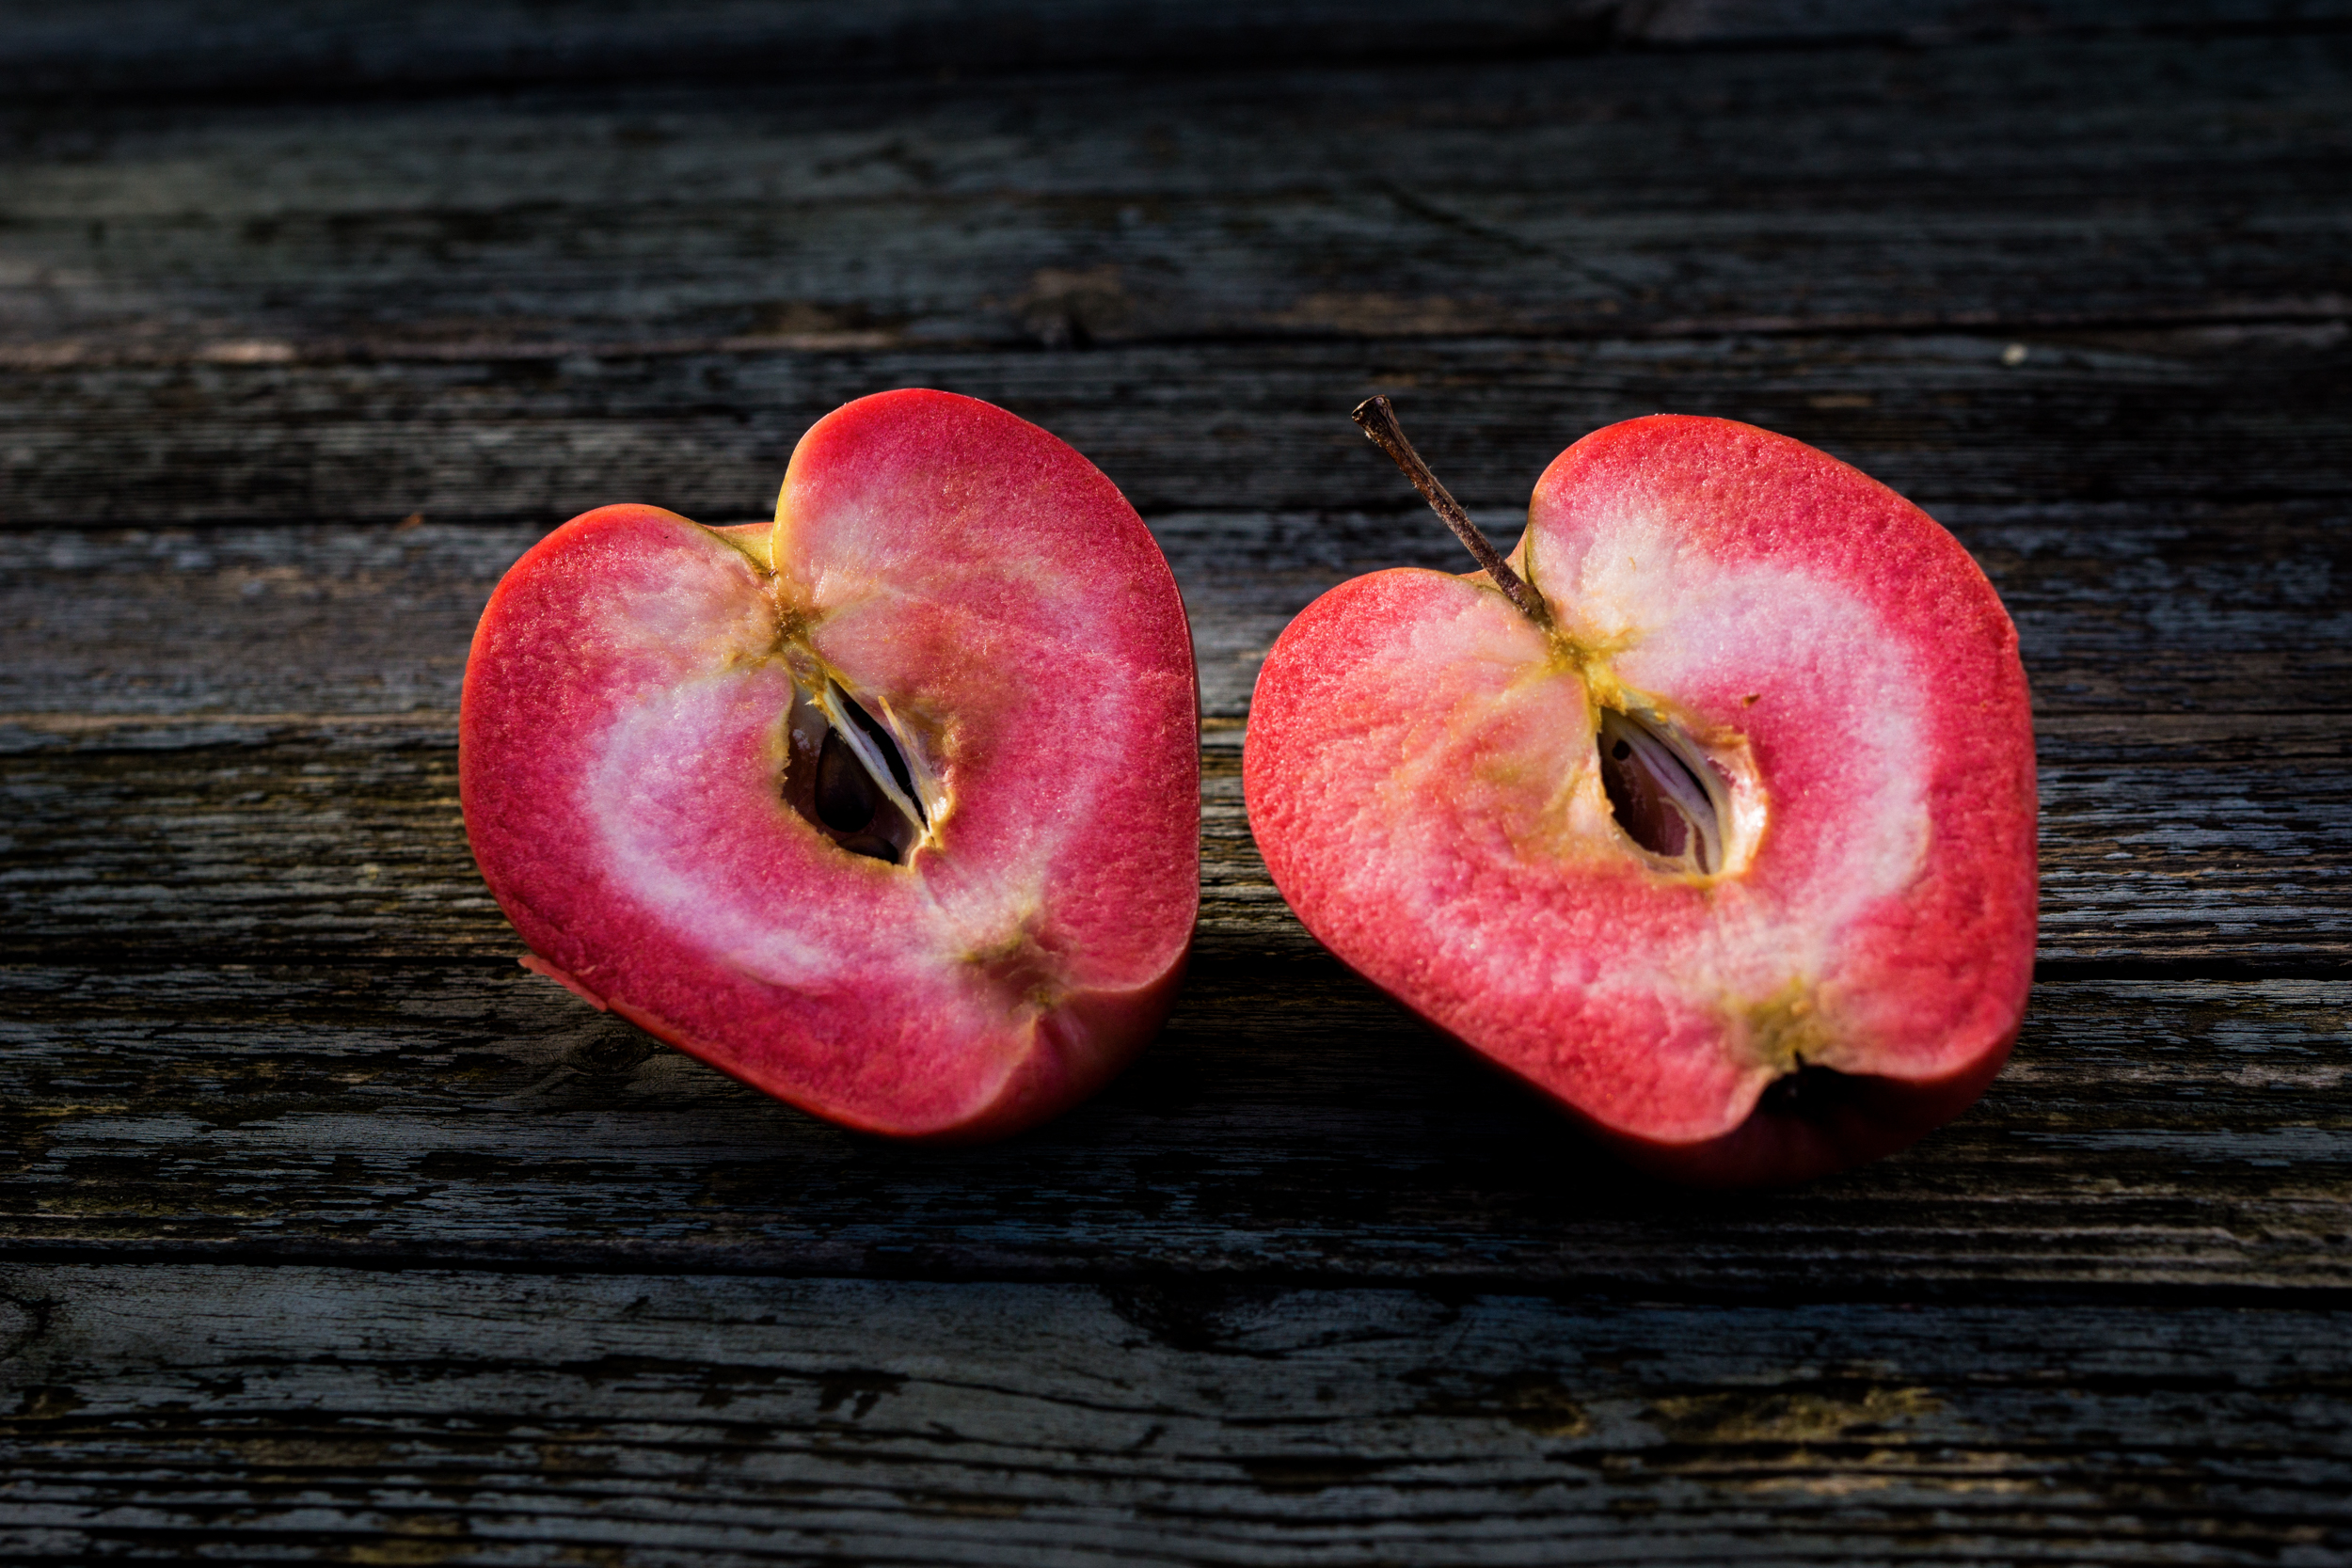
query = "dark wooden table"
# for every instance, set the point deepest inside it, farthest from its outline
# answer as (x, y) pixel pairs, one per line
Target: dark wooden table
(330, 1235)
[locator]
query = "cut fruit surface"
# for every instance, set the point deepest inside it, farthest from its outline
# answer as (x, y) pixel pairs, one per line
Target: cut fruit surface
(890, 808)
(1759, 804)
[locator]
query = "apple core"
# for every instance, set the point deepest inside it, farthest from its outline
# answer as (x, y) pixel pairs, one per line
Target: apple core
(846, 774)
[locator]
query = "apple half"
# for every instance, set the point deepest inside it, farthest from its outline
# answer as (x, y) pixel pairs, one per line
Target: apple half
(891, 809)
(1724, 840)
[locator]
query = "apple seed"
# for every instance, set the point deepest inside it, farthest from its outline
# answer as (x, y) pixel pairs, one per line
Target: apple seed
(845, 795)
(847, 775)
(1658, 794)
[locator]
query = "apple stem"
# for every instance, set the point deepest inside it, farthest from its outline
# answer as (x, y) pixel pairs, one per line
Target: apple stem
(1378, 418)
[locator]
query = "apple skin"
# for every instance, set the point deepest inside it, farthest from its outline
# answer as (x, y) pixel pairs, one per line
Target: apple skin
(1421, 775)
(960, 572)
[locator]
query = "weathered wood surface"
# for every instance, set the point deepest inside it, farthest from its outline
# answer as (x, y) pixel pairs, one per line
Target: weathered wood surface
(314, 47)
(2235, 416)
(2153, 1138)
(498, 1418)
(328, 1234)
(2019, 184)
(2124, 608)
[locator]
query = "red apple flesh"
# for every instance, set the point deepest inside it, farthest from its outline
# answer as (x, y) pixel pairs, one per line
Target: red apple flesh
(1768, 647)
(891, 809)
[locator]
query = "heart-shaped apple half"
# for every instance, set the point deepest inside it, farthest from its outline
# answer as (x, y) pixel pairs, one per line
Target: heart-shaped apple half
(1709, 814)
(891, 809)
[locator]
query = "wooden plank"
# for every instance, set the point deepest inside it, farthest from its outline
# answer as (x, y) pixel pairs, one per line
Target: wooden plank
(2230, 417)
(1749, 22)
(2152, 1140)
(2120, 609)
(317, 46)
(303, 1413)
(2159, 843)
(2007, 187)
(2204, 841)
(173, 46)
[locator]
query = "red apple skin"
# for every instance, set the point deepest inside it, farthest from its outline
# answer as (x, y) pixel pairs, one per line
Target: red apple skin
(621, 748)
(1421, 775)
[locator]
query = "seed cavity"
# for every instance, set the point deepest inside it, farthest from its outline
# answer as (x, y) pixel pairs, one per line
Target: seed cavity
(1667, 796)
(847, 775)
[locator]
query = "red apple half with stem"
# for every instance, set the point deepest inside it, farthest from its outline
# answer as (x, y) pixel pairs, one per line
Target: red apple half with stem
(891, 809)
(1709, 813)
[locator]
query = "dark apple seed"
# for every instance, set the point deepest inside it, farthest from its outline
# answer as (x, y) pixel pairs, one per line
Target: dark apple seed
(872, 846)
(1643, 810)
(845, 795)
(1658, 799)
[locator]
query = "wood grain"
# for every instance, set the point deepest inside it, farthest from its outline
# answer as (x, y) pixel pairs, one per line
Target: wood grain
(2120, 608)
(316, 47)
(495, 1418)
(2247, 416)
(2152, 1138)
(2016, 186)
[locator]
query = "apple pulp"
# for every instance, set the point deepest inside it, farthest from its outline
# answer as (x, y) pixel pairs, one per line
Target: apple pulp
(1508, 829)
(890, 808)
